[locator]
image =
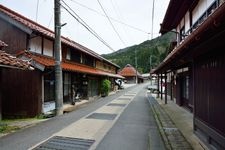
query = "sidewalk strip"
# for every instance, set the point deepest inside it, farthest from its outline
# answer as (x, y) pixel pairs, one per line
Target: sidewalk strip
(171, 135)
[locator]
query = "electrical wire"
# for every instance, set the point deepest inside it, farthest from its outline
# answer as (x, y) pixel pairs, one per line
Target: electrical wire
(111, 23)
(37, 10)
(119, 16)
(153, 11)
(49, 23)
(118, 21)
(84, 24)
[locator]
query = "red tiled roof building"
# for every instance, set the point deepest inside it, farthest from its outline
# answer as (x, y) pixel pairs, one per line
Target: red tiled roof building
(130, 74)
(33, 91)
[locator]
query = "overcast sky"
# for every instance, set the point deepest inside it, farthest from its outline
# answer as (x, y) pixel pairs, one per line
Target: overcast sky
(134, 13)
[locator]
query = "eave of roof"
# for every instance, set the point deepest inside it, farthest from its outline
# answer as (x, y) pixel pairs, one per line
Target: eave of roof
(49, 33)
(49, 62)
(213, 20)
(175, 11)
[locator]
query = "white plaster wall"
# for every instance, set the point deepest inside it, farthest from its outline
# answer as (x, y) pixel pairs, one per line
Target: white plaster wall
(200, 9)
(68, 54)
(209, 2)
(48, 48)
(196, 14)
(187, 21)
(177, 35)
(35, 45)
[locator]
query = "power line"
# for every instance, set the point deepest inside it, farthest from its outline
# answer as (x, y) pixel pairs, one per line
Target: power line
(85, 25)
(50, 20)
(37, 10)
(111, 23)
(119, 16)
(118, 21)
(153, 10)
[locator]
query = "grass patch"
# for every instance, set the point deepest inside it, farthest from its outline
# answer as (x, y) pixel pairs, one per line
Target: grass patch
(4, 128)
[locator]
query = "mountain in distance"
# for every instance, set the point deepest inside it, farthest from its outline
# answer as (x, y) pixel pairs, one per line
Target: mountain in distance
(156, 48)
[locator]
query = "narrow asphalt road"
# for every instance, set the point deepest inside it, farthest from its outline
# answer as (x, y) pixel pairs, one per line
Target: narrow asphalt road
(28, 137)
(132, 129)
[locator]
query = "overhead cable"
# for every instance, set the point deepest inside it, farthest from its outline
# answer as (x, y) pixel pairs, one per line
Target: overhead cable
(37, 8)
(119, 16)
(111, 23)
(118, 21)
(84, 24)
(153, 10)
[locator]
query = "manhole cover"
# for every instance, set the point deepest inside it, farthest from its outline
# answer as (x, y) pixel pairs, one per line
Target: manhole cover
(124, 98)
(170, 130)
(102, 116)
(129, 94)
(65, 143)
(115, 104)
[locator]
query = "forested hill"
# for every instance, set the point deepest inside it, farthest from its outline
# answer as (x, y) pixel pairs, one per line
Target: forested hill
(156, 48)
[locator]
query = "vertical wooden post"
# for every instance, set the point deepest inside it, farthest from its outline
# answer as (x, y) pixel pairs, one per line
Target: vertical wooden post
(171, 84)
(165, 88)
(161, 89)
(157, 85)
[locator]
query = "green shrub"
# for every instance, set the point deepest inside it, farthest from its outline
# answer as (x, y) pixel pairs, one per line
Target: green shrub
(105, 87)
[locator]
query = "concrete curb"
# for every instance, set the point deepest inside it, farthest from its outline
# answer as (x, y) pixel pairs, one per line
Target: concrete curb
(171, 135)
(160, 128)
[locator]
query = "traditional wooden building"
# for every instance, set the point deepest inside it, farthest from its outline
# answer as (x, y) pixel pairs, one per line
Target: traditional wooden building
(83, 69)
(8, 63)
(195, 68)
(131, 74)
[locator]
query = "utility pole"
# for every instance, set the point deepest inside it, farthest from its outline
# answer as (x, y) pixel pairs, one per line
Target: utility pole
(58, 58)
(150, 64)
(136, 66)
(153, 11)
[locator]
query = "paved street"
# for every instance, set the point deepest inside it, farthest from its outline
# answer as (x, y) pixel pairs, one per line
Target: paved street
(120, 121)
(131, 130)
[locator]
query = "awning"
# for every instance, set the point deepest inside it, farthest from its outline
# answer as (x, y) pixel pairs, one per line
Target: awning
(49, 62)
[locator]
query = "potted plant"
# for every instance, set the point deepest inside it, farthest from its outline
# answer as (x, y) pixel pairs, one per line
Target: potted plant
(105, 87)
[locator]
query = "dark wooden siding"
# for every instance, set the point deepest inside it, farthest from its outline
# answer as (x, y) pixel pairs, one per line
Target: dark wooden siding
(14, 37)
(209, 81)
(93, 86)
(21, 93)
(0, 93)
(169, 88)
(178, 90)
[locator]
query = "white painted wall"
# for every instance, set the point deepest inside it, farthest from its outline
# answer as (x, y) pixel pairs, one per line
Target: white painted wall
(201, 8)
(68, 54)
(187, 21)
(35, 45)
(48, 48)
(209, 2)
(177, 35)
(197, 12)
